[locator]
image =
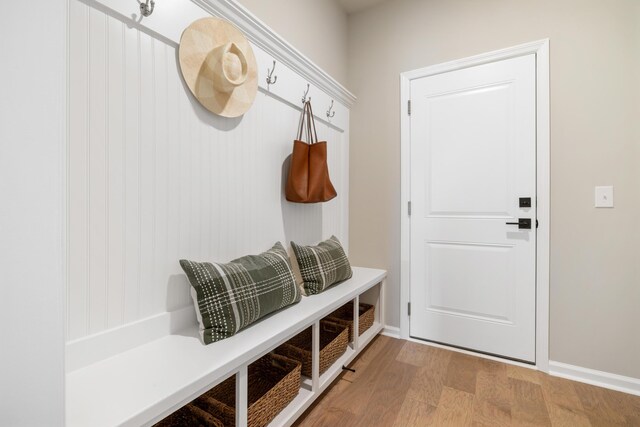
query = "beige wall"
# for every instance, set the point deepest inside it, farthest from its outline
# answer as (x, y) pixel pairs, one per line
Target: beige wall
(317, 28)
(595, 137)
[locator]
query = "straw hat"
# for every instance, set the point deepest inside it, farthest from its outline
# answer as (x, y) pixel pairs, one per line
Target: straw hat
(219, 67)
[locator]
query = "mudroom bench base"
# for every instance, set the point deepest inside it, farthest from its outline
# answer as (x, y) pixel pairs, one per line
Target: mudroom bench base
(143, 384)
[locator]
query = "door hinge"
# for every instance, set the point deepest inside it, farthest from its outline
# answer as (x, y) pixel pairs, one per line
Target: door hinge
(409, 207)
(536, 223)
(409, 308)
(409, 107)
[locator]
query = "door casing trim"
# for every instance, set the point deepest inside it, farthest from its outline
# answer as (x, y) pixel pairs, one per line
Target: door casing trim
(541, 49)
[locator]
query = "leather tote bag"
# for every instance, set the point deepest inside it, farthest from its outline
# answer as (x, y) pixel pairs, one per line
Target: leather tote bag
(308, 180)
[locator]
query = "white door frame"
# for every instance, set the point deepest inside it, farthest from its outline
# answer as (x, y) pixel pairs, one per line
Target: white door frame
(541, 50)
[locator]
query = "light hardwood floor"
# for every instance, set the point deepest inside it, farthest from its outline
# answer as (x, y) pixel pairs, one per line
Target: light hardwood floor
(398, 383)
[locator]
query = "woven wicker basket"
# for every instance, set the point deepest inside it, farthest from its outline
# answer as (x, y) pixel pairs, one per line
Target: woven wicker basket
(334, 339)
(192, 416)
(344, 316)
(274, 381)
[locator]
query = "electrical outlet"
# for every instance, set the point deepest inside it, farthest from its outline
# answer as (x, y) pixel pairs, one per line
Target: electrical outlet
(604, 197)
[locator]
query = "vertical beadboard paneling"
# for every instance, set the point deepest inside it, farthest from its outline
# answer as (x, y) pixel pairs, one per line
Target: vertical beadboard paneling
(160, 269)
(78, 170)
(176, 294)
(131, 106)
(155, 178)
(115, 196)
(97, 177)
(147, 132)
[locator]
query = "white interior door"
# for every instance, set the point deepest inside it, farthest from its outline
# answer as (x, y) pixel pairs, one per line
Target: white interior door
(473, 156)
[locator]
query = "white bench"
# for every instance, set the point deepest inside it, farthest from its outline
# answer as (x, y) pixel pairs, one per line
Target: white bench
(143, 384)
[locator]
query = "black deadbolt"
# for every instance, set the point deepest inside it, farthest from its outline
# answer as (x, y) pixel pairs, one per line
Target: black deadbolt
(525, 202)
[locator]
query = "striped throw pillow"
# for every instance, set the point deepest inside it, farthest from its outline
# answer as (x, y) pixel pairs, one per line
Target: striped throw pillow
(229, 297)
(323, 265)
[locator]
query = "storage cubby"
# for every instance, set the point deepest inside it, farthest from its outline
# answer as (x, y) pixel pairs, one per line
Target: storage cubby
(273, 382)
(333, 343)
(192, 416)
(354, 316)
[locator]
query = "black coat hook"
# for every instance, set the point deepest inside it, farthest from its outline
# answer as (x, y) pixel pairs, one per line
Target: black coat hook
(271, 80)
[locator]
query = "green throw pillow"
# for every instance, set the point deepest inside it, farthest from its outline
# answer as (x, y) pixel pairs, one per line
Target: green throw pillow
(323, 265)
(229, 297)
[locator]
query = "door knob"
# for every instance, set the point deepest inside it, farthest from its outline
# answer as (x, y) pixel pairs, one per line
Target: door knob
(523, 223)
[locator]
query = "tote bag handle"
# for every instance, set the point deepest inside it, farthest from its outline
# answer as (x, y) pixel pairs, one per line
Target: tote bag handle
(308, 124)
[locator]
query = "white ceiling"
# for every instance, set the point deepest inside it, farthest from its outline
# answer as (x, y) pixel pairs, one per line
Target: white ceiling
(357, 5)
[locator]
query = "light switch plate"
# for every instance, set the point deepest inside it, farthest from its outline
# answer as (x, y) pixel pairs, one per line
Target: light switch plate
(604, 197)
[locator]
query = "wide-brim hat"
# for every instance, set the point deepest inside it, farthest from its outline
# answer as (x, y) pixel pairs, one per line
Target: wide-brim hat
(219, 66)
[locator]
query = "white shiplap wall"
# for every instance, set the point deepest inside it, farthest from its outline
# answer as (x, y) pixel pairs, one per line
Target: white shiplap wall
(153, 177)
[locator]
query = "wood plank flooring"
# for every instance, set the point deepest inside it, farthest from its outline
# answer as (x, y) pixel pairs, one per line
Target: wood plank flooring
(402, 384)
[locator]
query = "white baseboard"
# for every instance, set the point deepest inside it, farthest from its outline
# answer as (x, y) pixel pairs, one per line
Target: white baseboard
(598, 378)
(391, 331)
